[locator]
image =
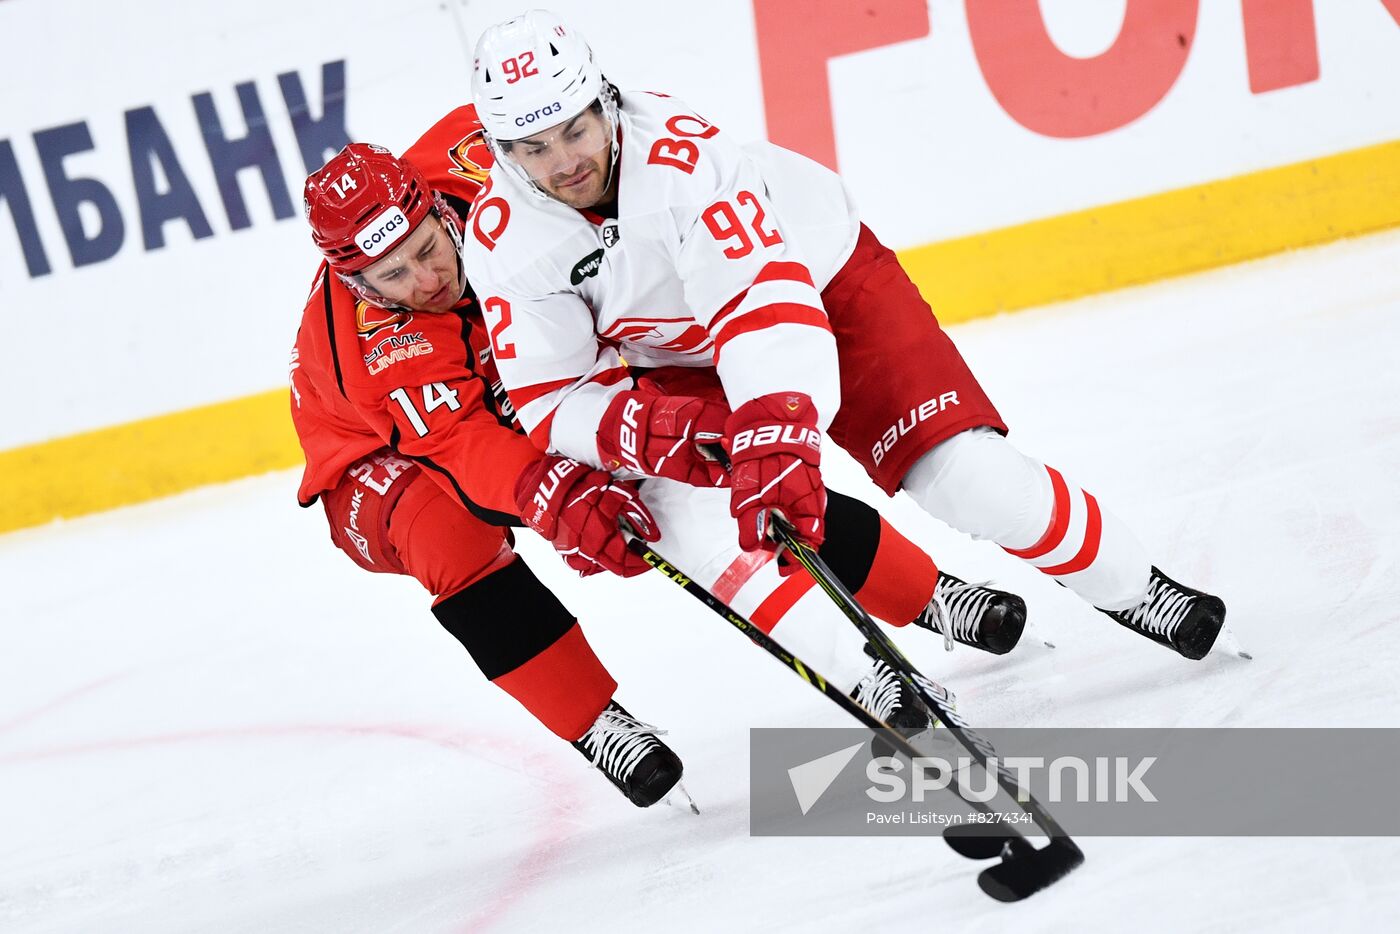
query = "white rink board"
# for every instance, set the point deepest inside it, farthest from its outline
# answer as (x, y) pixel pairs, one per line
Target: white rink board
(927, 149)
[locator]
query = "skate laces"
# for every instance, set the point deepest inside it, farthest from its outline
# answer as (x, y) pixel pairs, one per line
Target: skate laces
(1161, 611)
(937, 616)
(962, 604)
(616, 742)
(880, 691)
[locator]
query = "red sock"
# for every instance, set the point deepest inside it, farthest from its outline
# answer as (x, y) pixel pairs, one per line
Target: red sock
(565, 686)
(901, 579)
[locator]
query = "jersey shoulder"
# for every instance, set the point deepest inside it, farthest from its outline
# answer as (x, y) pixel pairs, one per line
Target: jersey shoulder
(396, 349)
(312, 333)
(453, 155)
(673, 156)
(520, 242)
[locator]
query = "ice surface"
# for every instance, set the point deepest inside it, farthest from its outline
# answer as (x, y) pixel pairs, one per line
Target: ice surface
(210, 720)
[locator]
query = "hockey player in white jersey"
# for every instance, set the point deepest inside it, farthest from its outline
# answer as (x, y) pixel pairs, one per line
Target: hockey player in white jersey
(625, 226)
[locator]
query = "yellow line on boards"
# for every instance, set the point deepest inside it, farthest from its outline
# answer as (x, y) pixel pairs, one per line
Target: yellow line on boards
(1146, 239)
(1044, 261)
(146, 459)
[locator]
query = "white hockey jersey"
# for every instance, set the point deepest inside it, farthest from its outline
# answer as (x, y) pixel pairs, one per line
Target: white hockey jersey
(717, 258)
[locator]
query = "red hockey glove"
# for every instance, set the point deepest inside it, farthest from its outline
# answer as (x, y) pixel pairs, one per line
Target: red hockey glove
(660, 436)
(775, 451)
(578, 509)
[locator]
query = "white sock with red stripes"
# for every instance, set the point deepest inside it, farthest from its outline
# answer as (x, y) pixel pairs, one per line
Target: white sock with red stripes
(805, 621)
(978, 483)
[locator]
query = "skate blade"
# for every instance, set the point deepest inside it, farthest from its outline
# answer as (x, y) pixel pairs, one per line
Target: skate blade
(1229, 643)
(680, 786)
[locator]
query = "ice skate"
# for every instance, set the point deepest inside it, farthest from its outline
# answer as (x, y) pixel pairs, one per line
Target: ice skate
(629, 753)
(884, 695)
(986, 619)
(1176, 616)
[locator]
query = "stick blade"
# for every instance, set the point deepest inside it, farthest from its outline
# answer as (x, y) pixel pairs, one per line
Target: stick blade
(978, 841)
(1024, 870)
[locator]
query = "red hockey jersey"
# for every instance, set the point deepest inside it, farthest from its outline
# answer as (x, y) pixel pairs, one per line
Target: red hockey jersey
(363, 378)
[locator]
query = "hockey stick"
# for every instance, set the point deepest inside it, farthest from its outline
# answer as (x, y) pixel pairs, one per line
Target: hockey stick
(1024, 870)
(766, 642)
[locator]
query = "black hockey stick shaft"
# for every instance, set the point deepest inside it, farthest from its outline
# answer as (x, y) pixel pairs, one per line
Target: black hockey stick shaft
(974, 742)
(773, 647)
(1009, 880)
(803, 670)
(934, 696)
(769, 645)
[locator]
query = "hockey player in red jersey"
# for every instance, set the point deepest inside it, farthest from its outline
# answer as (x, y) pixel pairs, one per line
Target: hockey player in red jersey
(418, 470)
(617, 226)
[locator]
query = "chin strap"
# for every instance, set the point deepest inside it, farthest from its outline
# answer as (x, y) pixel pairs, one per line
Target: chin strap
(608, 98)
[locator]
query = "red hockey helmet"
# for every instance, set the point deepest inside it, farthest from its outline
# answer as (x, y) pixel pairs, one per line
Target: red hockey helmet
(362, 202)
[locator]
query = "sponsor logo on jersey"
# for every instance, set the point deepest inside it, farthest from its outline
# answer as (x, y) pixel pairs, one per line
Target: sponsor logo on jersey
(611, 234)
(395, 348)
(539, 114)
(361, 543)
(586, 267)
(926, 410)
(292, 374)
(371, 319)
(386, 229)
(472, 157)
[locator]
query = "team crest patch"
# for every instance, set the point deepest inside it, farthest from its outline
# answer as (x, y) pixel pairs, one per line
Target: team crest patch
(586, 267)
(472, 157)
(371, 319)
(611, 234)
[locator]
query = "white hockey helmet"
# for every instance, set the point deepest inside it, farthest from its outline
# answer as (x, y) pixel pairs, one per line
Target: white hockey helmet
(531, 73)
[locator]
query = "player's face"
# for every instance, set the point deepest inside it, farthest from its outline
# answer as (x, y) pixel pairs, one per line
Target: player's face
(421, 273)
(570, 161)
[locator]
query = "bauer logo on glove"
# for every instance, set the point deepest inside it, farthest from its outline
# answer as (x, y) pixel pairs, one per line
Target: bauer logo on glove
(560, 469)
(776, 434)
(657, 435)
(581, 512)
